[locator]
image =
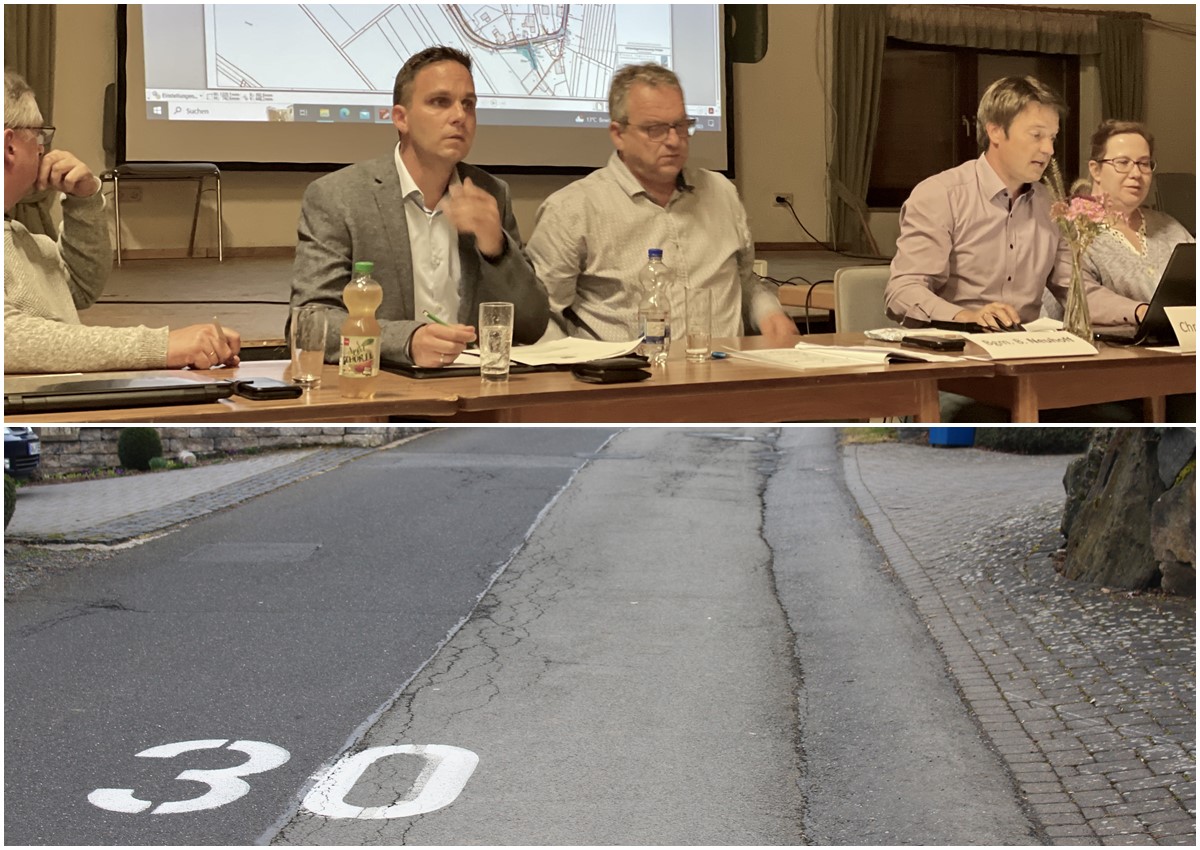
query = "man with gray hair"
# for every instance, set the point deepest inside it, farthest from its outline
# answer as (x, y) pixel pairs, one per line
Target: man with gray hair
(591, 238)
(976, 243)
(46, 282)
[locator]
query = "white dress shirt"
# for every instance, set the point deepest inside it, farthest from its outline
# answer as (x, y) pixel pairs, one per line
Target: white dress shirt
(591, 240)
(433, 241)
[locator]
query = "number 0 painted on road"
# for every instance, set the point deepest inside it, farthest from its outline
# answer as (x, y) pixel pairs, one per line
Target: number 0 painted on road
(446, 772)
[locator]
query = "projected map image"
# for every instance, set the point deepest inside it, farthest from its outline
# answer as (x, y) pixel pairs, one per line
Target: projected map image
(534, 50)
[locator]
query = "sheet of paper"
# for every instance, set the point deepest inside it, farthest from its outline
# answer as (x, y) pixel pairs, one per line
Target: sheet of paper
(910, 353)
(559, 352)
(811, 357)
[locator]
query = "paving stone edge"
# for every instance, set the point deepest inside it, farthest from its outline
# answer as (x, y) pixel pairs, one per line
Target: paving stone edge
(147, 522)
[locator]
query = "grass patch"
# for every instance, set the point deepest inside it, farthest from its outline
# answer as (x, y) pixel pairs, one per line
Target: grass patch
(866, 436)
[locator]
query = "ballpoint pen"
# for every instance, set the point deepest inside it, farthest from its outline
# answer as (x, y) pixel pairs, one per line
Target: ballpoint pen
(220, 332)
(434, 318)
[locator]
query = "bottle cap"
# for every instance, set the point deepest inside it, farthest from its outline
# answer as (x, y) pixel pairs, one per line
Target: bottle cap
(364, 267)
(656, 253)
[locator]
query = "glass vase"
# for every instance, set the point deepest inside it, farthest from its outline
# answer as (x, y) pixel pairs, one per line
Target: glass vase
(1077, 319)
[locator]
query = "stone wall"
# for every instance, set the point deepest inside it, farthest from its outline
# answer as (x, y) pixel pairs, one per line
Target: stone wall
(1130, 518)
(67, 450)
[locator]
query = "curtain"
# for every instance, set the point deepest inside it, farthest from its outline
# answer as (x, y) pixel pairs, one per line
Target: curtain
(990, 28)
(1122, 66)
(29, 38)
(859, 33)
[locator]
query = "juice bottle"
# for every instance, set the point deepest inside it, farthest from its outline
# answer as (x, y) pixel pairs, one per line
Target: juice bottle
(358, 365)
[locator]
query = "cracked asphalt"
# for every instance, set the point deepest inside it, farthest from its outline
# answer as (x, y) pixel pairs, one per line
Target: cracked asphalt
(709, 636)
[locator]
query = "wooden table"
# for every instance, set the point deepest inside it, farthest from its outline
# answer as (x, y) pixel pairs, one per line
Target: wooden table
(1118, 373)
(727, 390)
(799, 295)
(395, 396)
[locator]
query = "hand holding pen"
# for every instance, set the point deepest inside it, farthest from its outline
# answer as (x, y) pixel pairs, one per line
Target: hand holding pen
(203, 346)
(439, 343)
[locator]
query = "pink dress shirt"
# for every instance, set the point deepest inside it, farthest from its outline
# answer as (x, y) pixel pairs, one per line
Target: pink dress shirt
(964, 243)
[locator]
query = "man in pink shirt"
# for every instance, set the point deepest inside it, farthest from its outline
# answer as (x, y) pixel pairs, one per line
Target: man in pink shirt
(976, 242)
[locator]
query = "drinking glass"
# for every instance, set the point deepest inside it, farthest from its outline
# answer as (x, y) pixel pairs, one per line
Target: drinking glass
(698, 344)
(495, 339)
(310, 324)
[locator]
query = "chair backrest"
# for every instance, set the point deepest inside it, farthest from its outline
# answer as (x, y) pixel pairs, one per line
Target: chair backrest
(1175, 194)
(858, 298)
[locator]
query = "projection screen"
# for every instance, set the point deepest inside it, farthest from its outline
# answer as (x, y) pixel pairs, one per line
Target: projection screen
(310, 86)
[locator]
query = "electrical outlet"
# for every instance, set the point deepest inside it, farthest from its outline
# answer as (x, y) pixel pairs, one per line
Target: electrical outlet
(131, 194)
(760, 268)
(783, 199)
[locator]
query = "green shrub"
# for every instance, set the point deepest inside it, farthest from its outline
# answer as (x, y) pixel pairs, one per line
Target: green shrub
(10, 498)
(136, 447)
(157, 463)
(1034, 441)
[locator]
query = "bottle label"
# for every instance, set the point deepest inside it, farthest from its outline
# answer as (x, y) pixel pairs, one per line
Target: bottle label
(360, 357)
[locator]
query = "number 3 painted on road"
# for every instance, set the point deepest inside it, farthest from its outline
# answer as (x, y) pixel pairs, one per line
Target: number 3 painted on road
(225, 784)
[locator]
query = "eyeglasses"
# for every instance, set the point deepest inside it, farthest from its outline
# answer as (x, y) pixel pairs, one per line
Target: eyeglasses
(1123, 164)
(44, 134)
(658, 132)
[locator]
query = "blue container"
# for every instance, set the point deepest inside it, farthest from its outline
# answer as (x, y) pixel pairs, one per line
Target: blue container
(951, 436)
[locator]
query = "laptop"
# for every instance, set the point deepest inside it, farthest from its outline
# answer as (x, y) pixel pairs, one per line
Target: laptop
(54, 394)
(1176, 288)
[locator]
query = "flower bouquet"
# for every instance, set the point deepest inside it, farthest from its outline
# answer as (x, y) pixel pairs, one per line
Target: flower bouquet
(1080, 218)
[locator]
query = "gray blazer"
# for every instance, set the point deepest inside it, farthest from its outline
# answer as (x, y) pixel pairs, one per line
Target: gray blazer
(358, 214)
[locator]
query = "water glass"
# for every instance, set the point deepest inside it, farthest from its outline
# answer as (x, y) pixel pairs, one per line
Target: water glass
(310, 324)
(698, 343)
(495, 339)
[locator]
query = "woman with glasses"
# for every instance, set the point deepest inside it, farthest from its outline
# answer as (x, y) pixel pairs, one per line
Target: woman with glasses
(1130, 255)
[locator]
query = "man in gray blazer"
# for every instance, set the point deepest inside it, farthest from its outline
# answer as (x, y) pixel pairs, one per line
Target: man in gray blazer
(441, 233)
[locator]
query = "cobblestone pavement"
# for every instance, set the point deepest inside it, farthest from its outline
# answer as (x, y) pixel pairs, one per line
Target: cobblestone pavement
(114, 510)
(1088, 695)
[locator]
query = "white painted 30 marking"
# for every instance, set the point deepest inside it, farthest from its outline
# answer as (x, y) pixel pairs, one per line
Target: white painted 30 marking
(224, 784)
(446, 772)
(439, 783)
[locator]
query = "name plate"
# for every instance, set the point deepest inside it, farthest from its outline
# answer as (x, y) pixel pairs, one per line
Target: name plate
(1183, 320)
(1023, 345)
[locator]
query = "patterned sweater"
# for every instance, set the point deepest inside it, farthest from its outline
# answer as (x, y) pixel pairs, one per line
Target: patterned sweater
(46, 283)
(1122, 267)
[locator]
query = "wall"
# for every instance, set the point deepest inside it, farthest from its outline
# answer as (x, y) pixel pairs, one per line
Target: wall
(779, 114)
(67, 450)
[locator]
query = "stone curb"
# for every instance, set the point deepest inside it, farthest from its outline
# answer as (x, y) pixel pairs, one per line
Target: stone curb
(159, 519)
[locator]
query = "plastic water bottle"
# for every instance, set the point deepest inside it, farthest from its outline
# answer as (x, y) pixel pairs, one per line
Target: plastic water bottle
(358, 365)
(654, 310)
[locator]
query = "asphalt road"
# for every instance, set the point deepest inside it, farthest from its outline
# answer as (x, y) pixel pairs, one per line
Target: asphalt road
(695, 642)
(288, 622)
(629, 680)
(891, 754)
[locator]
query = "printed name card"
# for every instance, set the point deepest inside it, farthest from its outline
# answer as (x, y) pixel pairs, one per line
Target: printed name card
(1019, 346)
(1183, 320)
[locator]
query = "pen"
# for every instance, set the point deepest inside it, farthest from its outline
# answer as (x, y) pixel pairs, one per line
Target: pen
(220, 333)
(433, 318)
